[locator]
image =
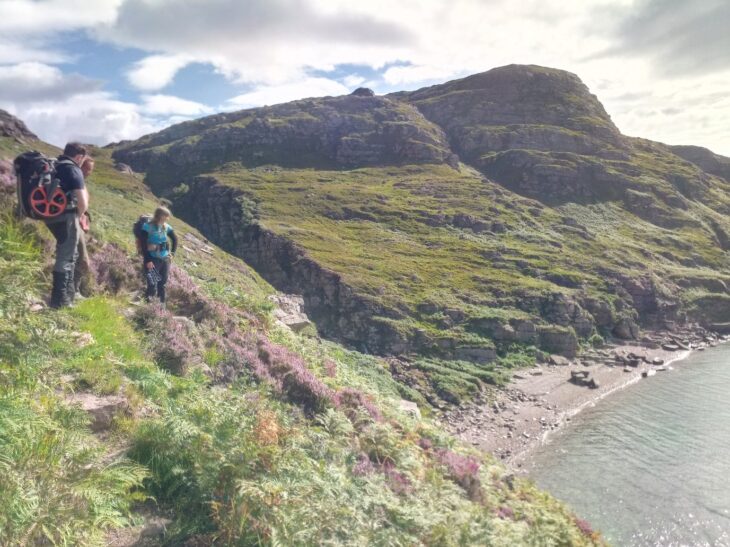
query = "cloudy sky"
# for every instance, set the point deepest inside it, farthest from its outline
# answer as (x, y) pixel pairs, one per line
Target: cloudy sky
(107, 70)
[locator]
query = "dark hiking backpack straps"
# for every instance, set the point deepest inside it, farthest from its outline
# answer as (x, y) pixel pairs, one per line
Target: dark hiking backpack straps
(137, 230)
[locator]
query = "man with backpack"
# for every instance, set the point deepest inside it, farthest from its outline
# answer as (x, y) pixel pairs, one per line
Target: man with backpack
(54, 191)
(65, 227)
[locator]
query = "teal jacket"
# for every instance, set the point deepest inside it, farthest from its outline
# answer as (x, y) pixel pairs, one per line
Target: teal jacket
(155, 241)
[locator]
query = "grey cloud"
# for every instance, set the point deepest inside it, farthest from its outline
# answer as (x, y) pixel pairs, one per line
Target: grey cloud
(671, 111)
(19, 88)
(180, 23)
(681, 37)
(631, 96)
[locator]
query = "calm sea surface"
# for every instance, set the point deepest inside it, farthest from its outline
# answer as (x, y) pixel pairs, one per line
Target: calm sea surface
(650, 465)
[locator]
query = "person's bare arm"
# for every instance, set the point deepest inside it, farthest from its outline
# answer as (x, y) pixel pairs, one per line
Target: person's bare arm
(82, 201)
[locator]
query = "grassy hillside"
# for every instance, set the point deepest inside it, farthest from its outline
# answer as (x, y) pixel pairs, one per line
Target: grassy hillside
(554, 232)
(238, 431)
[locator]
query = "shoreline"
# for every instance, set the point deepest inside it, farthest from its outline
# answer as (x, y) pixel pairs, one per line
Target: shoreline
(511, 422)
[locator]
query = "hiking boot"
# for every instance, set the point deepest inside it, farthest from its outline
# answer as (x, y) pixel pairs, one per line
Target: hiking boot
(78, 295)
(70, 289)
(59, 295)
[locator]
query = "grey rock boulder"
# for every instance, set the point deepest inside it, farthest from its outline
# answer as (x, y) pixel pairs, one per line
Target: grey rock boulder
(102, 409)
(290, 311)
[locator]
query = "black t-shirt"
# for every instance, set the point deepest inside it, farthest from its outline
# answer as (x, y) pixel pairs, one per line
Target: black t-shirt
(69, 174)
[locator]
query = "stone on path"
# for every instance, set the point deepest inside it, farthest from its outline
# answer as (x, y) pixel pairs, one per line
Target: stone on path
(150, 533)
(102, 409)
(409, 407)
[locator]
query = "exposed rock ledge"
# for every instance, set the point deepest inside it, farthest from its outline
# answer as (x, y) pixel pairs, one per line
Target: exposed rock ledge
(12, 127)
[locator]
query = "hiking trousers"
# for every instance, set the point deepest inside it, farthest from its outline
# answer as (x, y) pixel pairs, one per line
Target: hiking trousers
(82, 272)
(66, 230)
(162, 265)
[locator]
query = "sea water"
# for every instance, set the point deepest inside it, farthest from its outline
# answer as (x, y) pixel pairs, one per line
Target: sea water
(650, 465)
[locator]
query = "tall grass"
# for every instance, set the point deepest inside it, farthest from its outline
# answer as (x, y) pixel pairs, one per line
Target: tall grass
(20, 265)
(54, 485)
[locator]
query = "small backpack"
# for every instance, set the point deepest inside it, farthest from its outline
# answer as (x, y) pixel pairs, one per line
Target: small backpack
(40, 195)
(137, 230)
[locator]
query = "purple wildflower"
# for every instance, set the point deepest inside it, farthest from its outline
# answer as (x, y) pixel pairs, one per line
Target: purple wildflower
(458, 466)
(187, 299)
(505, 512)
(113, 269)
(463, 470)
(296, 380)
(330, 368)
(172, 341)
(363, 466)
(241, 355)
(350, 400)
(398, 482)
(7, 175)
(175, 345)
(584, 526)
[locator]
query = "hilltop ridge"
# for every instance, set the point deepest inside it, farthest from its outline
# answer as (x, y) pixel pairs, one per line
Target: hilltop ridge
(325, 133)
(706, 159)
(516, 107)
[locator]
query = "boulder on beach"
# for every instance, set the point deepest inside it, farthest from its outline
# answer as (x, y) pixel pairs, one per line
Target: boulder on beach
(558, 360)
(578, 374)
(583, 378)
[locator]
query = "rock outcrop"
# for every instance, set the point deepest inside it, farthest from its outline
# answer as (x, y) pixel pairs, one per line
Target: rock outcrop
(12, 127)
(542, 134)
(363, 92)
(519, 107)
(707, 160)
(333, 132)
(101, 409)
(290, 311)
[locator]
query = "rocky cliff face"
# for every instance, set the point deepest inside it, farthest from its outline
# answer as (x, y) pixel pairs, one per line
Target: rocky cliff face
(338, 310)
(12, 127)
(519, 107)
(327, 133)
(541, 133)
(707, 160)
(557, 228)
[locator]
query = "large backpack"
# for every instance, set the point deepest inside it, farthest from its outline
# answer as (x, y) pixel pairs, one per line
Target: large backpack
(137, 230)
(40, 195)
